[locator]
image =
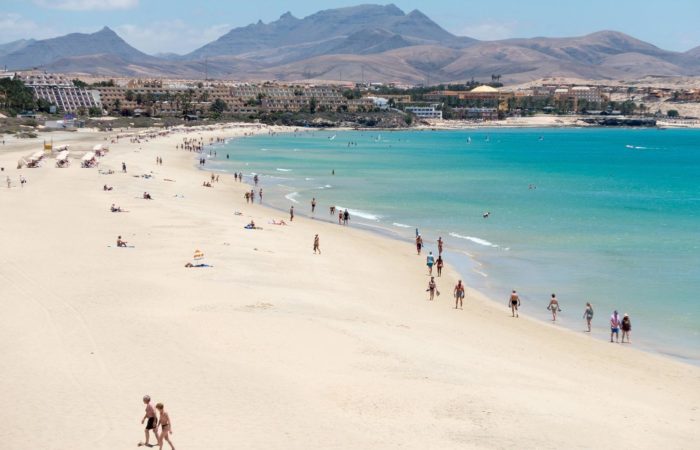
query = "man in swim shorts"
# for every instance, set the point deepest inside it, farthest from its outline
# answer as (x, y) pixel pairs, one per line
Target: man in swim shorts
(615, 326)
(514, 303)
(459, 294)
(150, 419)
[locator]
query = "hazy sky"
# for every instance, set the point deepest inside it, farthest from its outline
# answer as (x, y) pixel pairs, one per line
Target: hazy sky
(182, 25)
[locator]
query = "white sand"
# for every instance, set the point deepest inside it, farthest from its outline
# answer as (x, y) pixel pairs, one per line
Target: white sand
(274, 347)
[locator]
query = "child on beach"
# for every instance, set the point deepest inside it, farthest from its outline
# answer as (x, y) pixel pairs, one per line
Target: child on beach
(166, 427)
(554, 307)
(588, 315)
(150, 419)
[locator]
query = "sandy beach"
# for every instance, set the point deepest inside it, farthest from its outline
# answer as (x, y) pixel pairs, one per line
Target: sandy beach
(275, 347)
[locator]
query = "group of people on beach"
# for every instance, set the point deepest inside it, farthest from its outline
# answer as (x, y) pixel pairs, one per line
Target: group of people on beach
(618, 325)
(153, 422)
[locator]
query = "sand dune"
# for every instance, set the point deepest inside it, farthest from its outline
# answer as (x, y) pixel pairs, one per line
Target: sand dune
(275, 347)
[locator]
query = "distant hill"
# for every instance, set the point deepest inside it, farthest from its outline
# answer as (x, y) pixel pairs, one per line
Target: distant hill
(47, 51)
(370, 42)
(14, 46)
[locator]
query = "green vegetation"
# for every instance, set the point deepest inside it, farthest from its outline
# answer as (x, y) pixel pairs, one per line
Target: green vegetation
(672, 113)
(15, 97)
(217, 108)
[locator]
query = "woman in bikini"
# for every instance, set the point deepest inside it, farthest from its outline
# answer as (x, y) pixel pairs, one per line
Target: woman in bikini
(166, 427)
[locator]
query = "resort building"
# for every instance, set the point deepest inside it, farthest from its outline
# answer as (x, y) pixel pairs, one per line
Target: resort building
(425, 112)
(61, 92)
(240, 99)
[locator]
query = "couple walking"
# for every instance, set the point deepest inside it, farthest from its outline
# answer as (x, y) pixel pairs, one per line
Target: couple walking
(152, 422)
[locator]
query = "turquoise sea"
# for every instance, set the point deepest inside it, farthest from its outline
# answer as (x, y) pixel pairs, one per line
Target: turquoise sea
(610, 216)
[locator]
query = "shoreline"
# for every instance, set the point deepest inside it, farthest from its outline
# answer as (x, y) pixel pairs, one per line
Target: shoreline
(281, 342)
(385, 230)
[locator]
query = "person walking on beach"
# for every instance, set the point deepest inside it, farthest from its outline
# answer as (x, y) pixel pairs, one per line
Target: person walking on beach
(260, 195)
(514, 303)
(626, 328)
(317, 245)
(615, 326)
(432, 288)
(291, 214)
(439, 263)
(346, 217)
(340, 217)
(430, 261)
(124, 167)
(554, 307)
(588, 315)
(166, 427)
(313, 205)
(459, 295)
(150, 419)
(439, 242)
(419, 243)
(9, 182)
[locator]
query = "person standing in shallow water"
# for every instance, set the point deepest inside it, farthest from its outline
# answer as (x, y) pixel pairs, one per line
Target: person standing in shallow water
(313, 205)
(291, 213)
(554, 307)
(588, 315)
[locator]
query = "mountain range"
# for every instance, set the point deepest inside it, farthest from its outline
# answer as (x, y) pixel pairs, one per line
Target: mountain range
(365, 42)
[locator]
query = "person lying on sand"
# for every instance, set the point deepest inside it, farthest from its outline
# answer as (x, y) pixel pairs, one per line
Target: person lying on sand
(278, 222)
(115, 208)
(120, 242)
(190, 265)
(106, 188)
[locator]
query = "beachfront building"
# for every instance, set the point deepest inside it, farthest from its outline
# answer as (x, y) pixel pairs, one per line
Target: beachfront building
(425, 112)
(169, 99)
(59, 91)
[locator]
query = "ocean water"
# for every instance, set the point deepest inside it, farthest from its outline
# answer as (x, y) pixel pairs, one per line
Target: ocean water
(610, 216)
